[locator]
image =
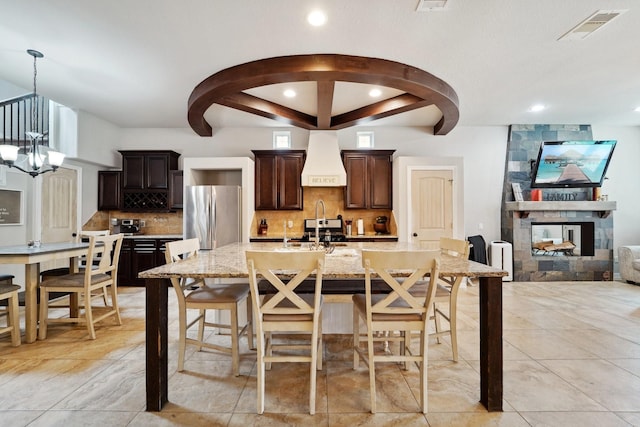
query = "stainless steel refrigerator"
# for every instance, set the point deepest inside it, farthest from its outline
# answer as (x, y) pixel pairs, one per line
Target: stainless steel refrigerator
(212, 214)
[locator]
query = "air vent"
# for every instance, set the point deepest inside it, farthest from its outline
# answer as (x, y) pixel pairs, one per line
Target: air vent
(430, 5)
(591, 24)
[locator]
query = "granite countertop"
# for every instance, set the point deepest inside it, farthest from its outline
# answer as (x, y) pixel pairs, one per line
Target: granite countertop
(298, 238)
(345, 262)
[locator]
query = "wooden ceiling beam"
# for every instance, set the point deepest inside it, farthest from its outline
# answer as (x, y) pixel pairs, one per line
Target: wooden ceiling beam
(325, 103)
(378, 110)
(271, 110)
(325, 69)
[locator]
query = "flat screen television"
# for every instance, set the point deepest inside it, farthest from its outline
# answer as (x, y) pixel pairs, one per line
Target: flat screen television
(571, 164)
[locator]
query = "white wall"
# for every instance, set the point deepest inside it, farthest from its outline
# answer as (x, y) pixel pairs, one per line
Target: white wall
(623, 182)
(18, 234)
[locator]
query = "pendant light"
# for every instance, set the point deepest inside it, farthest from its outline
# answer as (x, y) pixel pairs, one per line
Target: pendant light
(35, 159)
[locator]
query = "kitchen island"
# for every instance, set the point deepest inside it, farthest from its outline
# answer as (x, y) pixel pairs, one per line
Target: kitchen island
(344, 263)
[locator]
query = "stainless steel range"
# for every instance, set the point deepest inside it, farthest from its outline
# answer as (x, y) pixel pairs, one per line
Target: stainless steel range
(330, 230)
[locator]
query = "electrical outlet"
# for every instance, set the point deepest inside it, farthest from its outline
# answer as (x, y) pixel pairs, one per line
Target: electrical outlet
(290, 224)
(143, 223)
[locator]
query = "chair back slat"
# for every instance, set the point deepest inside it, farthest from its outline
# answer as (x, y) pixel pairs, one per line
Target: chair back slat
(177, 251)
(297, 266)
(107, 249)
(415, 265)
(456, 247)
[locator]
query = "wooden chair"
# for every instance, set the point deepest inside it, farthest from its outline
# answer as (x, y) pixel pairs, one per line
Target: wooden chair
(9, 292)
(447, 293)
(48, 274)
(398, 310)
(286, 312)
(195, 294)
(84, 283)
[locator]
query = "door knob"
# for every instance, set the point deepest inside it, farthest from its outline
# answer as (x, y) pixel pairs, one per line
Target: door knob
(415, 234)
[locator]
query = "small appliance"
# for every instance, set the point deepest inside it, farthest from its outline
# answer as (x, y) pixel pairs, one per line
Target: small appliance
(128, 226)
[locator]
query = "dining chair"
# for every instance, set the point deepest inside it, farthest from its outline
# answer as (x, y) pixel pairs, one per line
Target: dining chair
(84, 283)
(447, 293)
(197, 294)
(61, 271)
(286, 312)
(9, 292)
(399, 310)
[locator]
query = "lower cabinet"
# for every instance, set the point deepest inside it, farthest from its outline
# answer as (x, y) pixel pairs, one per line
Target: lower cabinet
(138, 254)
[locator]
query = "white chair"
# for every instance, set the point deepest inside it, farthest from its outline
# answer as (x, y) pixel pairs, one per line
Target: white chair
(83, 284)
(447, 293)
(9, 292)
(195, 294)
(398, 310)
(286, 312)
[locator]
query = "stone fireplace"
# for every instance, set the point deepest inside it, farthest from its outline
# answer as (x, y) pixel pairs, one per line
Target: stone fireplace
(587, 225)
(579, 228)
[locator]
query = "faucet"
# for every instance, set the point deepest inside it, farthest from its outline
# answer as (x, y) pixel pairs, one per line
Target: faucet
(318, 220)
(285, 242)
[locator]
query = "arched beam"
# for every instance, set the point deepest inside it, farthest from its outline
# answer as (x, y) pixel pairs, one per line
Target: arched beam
(420, 89)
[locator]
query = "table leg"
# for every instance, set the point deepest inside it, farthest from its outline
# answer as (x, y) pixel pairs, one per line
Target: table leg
(491, 372)
(73, 296)
(157, 346)
(31, 277)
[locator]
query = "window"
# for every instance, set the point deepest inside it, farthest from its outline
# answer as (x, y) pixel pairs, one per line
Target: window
(364, 139)
(281, 139)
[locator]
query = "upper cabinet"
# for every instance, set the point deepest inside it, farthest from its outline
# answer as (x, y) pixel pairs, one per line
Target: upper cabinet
(278, 179)
(143, 185)
(109, 190)
(176, 189)
(148, 170)
(369, 179)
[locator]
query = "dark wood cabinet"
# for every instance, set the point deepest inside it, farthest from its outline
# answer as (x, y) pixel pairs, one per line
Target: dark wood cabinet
(146, 179)
(176, 180)
(124, 263)
(278, 183)
(109, 183)
(139, 254)
(369, 179)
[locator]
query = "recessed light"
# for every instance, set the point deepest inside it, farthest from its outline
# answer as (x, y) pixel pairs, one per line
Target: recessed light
(290, 93)
(374, 93)
(637, 110)
(537, 107)
(317, 18)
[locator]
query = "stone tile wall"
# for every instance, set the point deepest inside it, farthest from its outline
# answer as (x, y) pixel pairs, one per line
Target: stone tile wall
(522, 147)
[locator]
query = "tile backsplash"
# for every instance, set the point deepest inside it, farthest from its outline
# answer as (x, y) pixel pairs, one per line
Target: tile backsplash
(333, 198)
(171, 222)
(155, 223)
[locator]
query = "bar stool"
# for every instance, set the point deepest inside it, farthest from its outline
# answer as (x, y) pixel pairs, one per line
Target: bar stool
(9, 292)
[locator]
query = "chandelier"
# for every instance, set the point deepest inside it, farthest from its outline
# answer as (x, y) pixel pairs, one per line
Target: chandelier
(37, 154)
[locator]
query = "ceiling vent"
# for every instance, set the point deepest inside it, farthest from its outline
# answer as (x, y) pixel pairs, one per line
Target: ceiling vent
(430, 5)
(591, 24)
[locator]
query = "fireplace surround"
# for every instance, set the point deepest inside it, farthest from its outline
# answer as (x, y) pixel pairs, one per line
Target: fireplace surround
(592, 259)
(573, 207)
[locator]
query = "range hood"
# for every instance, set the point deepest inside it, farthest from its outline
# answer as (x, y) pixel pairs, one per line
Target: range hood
(323, 167)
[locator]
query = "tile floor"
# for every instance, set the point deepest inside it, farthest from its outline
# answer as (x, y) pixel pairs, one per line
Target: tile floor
(571, 350)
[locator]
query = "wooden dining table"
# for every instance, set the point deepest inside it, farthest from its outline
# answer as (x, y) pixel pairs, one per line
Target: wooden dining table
(344, 263)
(31, 257)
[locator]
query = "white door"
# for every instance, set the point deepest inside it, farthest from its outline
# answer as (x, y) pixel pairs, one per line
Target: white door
(59, 208)
(431, 207)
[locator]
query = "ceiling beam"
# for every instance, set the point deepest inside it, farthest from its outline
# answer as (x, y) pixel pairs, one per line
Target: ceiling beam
(325, 69)
(271, 110)
(378, 110)
(325, 102)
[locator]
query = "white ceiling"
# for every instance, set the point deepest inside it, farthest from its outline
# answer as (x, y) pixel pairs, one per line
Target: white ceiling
(135, 62)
